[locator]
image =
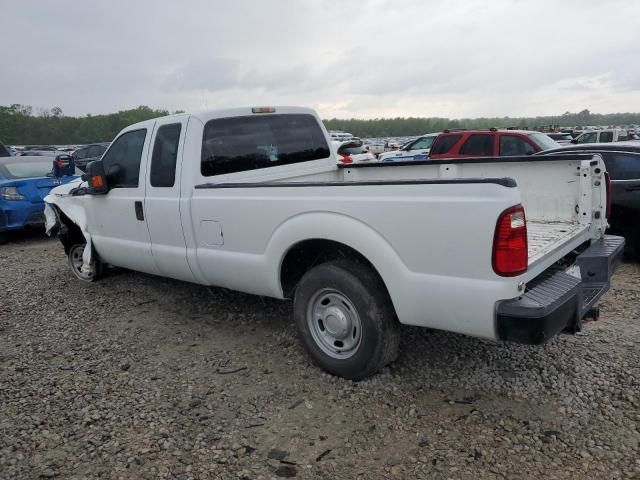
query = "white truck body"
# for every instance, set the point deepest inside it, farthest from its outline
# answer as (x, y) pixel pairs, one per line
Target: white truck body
(427, 228)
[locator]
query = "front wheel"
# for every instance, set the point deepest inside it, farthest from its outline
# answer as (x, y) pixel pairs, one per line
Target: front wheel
(345, 319)
(75, 263)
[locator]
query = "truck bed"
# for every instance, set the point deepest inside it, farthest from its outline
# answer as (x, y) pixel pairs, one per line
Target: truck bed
(546, 237)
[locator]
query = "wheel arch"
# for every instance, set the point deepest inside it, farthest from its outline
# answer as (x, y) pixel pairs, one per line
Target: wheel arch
(313, 238)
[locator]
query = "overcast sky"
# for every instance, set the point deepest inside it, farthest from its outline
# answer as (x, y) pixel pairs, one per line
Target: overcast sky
(357, 58)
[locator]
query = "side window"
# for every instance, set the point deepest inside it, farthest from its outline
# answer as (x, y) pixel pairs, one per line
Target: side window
(587, 137)
(122, 160)
(444, 144)
(81, 154)
(606, 137)
(481, 145)
(623, 166)
(165, 153)
(94, 151)
(261, 141)
(511, 145)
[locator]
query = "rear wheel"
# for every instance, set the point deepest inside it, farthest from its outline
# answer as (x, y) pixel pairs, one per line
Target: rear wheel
(345, 319)
(75, 263)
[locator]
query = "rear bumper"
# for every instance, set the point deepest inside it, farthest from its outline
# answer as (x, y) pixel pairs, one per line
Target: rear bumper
(21, 215)
(557, 300)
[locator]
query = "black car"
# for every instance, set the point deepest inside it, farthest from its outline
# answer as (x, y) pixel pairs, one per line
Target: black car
(4, 151)
(89, 153)
(623, 164)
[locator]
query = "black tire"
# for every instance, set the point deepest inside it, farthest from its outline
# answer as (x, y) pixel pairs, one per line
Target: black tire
(363, 289)
(74, 254)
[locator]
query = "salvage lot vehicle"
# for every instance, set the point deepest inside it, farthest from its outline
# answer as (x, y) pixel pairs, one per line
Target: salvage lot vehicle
(24, 182)
(252, 200)
(623, 166)
(417, 149)
(561, 138)
(353, 152)
(4, 151)
(89, 153)
(489, 143)
(602, 136)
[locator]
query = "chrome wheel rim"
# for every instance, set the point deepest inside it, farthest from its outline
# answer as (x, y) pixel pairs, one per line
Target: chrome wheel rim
(334, 324)
(75, 261)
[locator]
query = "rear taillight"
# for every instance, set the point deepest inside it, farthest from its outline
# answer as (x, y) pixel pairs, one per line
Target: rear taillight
(510, 249)
(345, 158)
(607, 183)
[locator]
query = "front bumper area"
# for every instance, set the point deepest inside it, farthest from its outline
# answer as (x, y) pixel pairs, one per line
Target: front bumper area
(557, 300)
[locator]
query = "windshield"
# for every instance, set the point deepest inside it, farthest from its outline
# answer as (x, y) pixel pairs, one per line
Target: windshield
(543, 141)
(559, 136)
(26, 168)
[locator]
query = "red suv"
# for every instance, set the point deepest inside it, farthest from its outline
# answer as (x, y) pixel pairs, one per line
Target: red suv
(489, 143)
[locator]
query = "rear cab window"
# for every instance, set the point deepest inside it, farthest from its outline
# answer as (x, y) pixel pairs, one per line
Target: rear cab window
(238, 144)
(444, 143)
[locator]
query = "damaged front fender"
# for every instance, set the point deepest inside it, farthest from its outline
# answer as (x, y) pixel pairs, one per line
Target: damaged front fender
(66, 216)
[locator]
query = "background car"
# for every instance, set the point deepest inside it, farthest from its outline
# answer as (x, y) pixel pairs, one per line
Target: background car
(489, 143)
(4, 151)
(24, 182)
(417, 149)
(602, 136)
(560, 137)
(88, 153)
(353, 152)
(623, 164)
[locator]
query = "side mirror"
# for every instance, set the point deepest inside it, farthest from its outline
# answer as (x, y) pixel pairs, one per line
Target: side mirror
(96, 178)
(574, 140)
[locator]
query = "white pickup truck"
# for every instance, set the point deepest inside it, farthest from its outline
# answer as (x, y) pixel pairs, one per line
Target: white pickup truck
(252, 200)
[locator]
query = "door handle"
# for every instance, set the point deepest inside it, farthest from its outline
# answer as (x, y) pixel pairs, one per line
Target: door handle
(633, 188)
(139, 211)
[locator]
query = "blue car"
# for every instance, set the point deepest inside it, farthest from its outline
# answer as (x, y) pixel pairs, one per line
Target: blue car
(24, 182)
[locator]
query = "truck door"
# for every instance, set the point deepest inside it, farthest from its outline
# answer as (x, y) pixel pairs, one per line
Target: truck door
(116, 220)
(162, 198)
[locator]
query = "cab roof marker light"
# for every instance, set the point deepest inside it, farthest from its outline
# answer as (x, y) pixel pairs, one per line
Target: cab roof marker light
(263, 110)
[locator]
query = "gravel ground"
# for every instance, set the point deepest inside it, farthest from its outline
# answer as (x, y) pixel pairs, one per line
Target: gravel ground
(143, 377)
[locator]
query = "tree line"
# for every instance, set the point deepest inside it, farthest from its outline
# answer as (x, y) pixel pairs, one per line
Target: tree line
(409, 126)
(20, 125)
